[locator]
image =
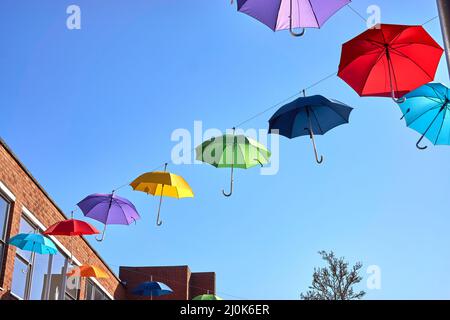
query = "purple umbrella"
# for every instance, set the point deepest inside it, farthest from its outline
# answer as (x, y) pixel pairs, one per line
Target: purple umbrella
(108, 209)
(291, 14)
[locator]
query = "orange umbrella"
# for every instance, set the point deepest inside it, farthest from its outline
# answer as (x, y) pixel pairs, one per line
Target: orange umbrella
(88, 271)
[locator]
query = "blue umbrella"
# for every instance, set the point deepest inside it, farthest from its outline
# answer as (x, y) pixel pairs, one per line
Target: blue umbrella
(152, 289)
(33, 242)
(427, 110)
(314, 115)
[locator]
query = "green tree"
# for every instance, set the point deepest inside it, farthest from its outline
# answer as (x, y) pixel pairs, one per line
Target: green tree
(335, 281)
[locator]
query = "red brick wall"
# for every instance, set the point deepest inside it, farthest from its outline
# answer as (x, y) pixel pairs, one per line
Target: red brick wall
(185, 285)
(175, 277)
(202, 283)
(28, 194)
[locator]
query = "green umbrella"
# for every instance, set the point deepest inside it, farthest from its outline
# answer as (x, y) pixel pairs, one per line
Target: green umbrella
(208, 297)
(232, 151)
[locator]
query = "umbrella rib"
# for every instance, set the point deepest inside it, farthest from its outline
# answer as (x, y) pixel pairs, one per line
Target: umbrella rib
(317, 120)
(371, 69)
(431, 109)
(120, 207)
(437, 94)
(278, 16)
(346, 121)
(381, 45)
(314, 13)
(440, 129)
(406, 57)
(373, 51)
(99, 203)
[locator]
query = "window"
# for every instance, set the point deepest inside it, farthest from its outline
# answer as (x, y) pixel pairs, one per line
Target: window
(4, 213)
(31, 280)
(22, 265)
(72, 286)
(93, 292)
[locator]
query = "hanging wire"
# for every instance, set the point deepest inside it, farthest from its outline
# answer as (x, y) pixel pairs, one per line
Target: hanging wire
(285, 100)
(357, 13)
(431, 20)
(240, 124)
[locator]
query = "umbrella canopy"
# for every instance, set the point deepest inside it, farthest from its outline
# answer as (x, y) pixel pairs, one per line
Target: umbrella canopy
(33, 242)
(291, 14)
(71, 227)
(427, 110)
(314, 115)
(88, 271)
(232, 151)
(389, 60)
(152, 289)
(108, 209)
(207, 297)
(161, 184)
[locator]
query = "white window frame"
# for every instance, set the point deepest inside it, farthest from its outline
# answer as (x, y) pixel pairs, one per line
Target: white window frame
(67, 252)
(11, 198)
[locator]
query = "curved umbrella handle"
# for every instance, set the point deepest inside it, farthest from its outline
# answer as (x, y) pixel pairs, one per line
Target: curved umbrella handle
(295, 34)
(311, 135)
(291, 29)
(418, 144)
(231, 185)
(103, 235)
(398, 100)
(159, 222)
(319, 161)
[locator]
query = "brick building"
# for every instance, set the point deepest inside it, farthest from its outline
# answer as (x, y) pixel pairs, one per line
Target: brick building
(26, 207)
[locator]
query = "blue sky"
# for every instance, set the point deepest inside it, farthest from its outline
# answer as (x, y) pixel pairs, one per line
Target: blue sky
(88, 110)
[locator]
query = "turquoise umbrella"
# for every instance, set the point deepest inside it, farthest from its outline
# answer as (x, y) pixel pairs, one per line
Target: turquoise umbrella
(33, 242)
(427, 110)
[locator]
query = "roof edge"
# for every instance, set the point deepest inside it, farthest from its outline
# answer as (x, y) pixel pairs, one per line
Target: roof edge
(41, 188)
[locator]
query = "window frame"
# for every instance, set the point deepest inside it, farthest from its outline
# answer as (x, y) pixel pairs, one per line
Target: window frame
(3, 237)
(94, 289)
(31, 264)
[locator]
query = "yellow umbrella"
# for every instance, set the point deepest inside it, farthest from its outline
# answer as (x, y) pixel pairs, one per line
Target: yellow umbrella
(162, 183)
(88, 271)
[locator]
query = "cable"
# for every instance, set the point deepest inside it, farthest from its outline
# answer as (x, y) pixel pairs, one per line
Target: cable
(245, 122)
(357, 13)
(428, 21)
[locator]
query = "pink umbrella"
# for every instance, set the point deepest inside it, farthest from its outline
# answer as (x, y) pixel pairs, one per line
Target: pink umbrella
(291, 14)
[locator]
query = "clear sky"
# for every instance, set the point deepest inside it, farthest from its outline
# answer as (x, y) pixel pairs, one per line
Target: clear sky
(89, 110)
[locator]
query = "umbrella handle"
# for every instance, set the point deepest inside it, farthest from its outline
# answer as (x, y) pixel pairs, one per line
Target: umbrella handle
(418, 144)
(231, 185)
(103, 235)
(398, 100)
(429, 127)
(295, 34)
(158, 220)
(291, 30)
(311, 135)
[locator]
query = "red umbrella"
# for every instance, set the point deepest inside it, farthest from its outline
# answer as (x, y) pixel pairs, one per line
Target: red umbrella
(390, 60)
(71, 227)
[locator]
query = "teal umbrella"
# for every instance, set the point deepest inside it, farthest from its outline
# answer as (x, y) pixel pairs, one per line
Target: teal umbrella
(427, 111)
(33, 242)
